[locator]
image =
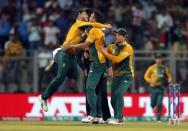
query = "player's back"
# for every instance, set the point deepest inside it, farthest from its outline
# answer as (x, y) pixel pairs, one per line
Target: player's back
(98, 37)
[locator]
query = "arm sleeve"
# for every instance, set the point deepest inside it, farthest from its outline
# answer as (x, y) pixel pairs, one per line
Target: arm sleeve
(95, 24)
(108, 48)
(89, 40)
(122, 55)
(147, 75)
(91, 36)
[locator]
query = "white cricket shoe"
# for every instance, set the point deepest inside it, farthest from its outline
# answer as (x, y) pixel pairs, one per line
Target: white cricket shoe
(88, 119)
(44, 104)
(115, 122)
(101, 121)
(98, 120)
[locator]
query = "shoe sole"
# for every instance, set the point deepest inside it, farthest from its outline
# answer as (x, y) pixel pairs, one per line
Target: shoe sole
(116, 123)
(40, 99)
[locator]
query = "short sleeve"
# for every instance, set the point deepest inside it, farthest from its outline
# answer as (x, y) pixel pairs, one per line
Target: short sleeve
(92, 36)
(128, 50)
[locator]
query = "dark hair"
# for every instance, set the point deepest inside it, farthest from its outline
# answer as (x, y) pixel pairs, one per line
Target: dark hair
(87, 10)
(98, 15)
(77, 12)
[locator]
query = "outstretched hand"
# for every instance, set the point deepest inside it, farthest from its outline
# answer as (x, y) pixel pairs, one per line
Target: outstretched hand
(109, 26)
(110, 71)
(103, 50)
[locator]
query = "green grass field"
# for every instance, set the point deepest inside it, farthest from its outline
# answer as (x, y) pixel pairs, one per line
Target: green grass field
(78, 126)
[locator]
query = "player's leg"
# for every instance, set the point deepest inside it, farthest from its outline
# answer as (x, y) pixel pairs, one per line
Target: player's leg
(159, 104)
(124, 84)
(105, 107)
(72, 74)
(115, 83)
(95, 73)
(98, 91)
(153, 98)
(87, 104)
(103, 112)
(63, 66)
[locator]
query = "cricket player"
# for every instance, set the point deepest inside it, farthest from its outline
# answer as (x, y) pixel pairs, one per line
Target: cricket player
(157, 75)
(65, 59)
(101, 89)
(121, 55)
(98, 66)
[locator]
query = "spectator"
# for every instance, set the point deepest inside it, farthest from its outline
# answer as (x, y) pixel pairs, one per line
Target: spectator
(137, 20)
(186, 28)
(34, 35)
(13, 51)
(13, 47)
(50, 35)
(148, 8)
(148, 46)
(164, 20)
(62, 23)
(51, 4)
(164, 24)
(23, 33)
(117, 12)
(153, 25)
(179, 38)
(127, 16)
(65, 4)
(5, 27)
(138, 15)
(29, 13)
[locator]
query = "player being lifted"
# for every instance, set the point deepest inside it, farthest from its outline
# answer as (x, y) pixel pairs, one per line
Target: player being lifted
(65, 59)
(98, 66)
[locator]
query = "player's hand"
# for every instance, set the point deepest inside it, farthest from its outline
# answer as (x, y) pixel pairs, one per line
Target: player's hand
(152, 82)
(169, 81)
(86, 49)
(103, 50)
(49, 65)
(109, 26)
(110, 71)
(86, 55)
(85, 72)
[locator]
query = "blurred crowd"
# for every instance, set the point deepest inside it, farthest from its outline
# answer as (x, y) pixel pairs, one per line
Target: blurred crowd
(152, 24)
(42, 24)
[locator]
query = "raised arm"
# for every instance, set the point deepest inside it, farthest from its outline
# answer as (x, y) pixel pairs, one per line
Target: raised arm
(92, 36)
(97, 25)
